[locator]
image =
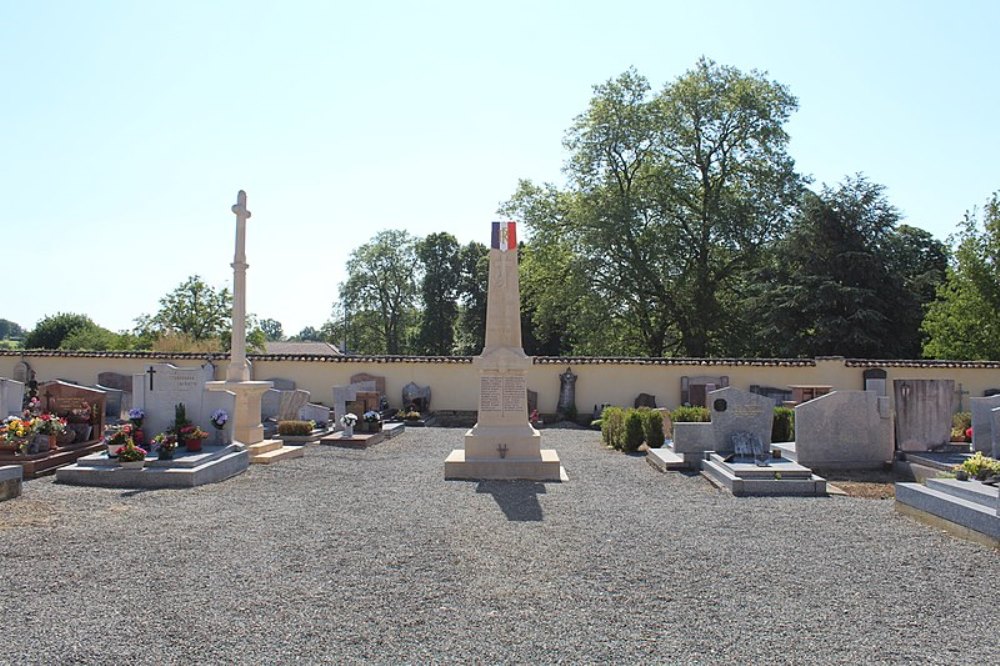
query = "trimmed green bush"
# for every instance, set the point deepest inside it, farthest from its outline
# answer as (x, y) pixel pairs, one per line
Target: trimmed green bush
(634, 431)
(652, 425)
(613, 427)
(295, 428)
(686, 414)
(783, 428)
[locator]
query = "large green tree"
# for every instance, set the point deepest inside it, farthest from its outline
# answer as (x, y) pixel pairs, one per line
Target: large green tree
(194, 309)
(52, 330)
(379, 293)
(441, 266)
(845, 280)
(474, 273)
(964, 322)
(672, 196)
(10, 330)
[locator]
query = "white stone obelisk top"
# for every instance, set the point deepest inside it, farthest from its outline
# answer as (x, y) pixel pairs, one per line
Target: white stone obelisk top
(238, 370)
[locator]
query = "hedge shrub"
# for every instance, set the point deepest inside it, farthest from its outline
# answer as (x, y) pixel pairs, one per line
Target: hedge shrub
(634, 430)
(688, 414)
(783, 428)
(652, 424)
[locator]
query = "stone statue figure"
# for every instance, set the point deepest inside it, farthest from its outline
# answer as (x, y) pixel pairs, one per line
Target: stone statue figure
(567, 393)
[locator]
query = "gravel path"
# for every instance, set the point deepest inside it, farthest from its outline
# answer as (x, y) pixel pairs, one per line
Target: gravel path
(370, 556)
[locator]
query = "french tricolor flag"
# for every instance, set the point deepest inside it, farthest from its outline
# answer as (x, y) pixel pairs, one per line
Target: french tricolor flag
(504, 236)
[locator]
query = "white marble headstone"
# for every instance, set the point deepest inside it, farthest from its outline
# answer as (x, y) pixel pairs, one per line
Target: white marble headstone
(158, 393)
(11, 397)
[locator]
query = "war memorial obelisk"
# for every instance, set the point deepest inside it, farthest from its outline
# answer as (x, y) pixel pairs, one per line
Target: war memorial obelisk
(503, 445)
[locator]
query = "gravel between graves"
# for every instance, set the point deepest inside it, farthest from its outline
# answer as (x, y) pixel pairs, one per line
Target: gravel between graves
(350, 556)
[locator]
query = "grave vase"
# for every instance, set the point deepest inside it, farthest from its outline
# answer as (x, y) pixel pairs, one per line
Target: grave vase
(44, 442)
(193, 445)
(165, 454)
(348, 431)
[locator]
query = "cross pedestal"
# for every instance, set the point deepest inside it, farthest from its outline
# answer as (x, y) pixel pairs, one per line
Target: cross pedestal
(247, 428)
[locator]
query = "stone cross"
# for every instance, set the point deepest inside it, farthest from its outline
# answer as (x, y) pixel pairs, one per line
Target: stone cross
(151, 372)
(238, 370)
(959, 391)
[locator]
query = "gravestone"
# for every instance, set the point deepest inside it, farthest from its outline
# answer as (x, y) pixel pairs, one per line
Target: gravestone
(982, 423)
(123, 383)
(269, 404)
(567, 393)
(995, 413)
(645, 400)
(82, 407)
(694, 390)
(313, 412)
(345, 394)
(874, 379)
(163, 386)
(113, 404)
(379, 380)
(23, 372)
(281, 384)
(735, 410)
(11, 397)
(844, 429)
(420, 396)
(923, 413)
(779, 395)
(503, 444)
(291, 403)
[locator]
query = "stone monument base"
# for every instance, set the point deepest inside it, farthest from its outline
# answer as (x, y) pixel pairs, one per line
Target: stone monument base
(544, 467)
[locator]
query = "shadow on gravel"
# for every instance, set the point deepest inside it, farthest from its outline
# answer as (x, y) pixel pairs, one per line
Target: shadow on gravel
(517, 499)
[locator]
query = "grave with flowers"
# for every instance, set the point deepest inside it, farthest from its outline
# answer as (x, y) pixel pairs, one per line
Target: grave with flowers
(60, 423)
(177, 436)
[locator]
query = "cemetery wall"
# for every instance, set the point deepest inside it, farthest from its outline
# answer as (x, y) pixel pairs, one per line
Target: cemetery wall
(455, 386)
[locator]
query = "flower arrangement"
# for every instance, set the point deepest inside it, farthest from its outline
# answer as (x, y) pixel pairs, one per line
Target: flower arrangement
(219, 419)
(82, 414)
(131, 453)
(372, 416)
(16, 431)
(48, 424)
(116, 437)
(192, 432)
(136, 416)
(349, 419)
(165, 444)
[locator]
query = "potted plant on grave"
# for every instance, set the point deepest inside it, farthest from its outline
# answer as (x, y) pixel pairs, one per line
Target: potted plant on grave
(131, 456)
(15, 434)
(117, 437)
(80, 421)
(219, 419)
(193, 437)
(47, 428)
(348, 420)
(373, 421)
(165, 444)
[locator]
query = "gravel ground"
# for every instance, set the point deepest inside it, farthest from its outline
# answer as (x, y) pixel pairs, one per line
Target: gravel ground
(351, 556)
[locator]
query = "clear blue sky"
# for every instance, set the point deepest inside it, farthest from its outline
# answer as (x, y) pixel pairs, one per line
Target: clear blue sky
(128, 127)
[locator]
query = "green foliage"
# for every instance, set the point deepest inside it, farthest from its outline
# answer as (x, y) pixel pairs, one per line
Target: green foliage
(961, 420)
(613, 427)
(10, 331)
(52, 330)
(672, 196)
(193, 309)
(379, 293)
(690, 414)
(272, 330)
(295, 428)
(979, 466)
(634, 433)
(439, 258)
(96, 338)
(964, 322)
(308, 334)
(844, 281)
(783, 426)
(470, 328)
(652, 426)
